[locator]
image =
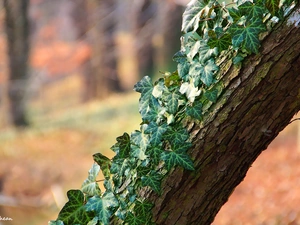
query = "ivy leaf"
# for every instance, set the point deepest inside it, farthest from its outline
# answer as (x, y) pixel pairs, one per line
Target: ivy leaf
(248, 35)
(212, 94)
(56, 222)
(221, 43)
(153, 180)
(103, 206)
(190, 90)
(134, 220)
(195, 111)
(176, 135)
(150, 109)
(156, 132)
(90, 187)
(143, 209)
(172, 102)
(252, 10)
(124, 145)
(74, 211)
(182, 148)
(104, 164)
(183, 70)
(179, 57)
(192, 15)
(272, 6)
(173, 159)
(144, 87)
(155, 153)
(140, 139)
(207, 72)
(235, 14)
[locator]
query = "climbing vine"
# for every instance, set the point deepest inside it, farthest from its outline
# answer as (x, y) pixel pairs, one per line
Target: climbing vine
(144, 157)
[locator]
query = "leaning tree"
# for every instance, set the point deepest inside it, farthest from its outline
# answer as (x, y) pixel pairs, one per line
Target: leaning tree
(237, 85)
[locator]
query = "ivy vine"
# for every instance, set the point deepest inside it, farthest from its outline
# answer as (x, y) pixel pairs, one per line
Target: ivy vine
(144, 157)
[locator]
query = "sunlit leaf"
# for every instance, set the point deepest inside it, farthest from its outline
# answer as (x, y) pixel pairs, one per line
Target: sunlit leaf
(207, 72)
(144, 86)
(192, 15)
(90, 186)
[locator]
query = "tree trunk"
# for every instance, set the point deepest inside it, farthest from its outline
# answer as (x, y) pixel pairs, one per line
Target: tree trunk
(103, 79)
(143, 17)
(17, 29)
(169, 23)
(258, 101)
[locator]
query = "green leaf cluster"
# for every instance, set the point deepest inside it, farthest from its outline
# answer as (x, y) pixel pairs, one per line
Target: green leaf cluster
(144, 157)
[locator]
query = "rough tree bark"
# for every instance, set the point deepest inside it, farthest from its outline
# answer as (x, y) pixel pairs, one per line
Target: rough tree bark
(17, 31)
(258, 101)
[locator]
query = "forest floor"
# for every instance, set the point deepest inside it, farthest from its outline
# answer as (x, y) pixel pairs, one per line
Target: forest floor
(39, 164)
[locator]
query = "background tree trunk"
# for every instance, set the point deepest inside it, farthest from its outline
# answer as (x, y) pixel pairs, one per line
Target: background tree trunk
(17, 29)
(169, 21)
(258, 100)
(143, 17)
(103, 78)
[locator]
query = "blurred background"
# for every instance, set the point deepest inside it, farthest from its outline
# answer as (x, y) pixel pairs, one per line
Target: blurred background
(67, 70)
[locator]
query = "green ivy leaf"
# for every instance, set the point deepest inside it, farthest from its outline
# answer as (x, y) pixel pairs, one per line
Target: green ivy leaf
(192, 15)
(124, 145)
(153, 180)
(222, 43)
(251, 10)
(235, 14)
(173, 159)
(183, 70)
(156, 132)
(144, 87)
(171, 99)
(104, 164)
(248, 35)
(90, 187)
(134, 220)
(180, 57)
(182, 148)
(151, 110)
(103, 206)
(74, 211)
(176, 135)
(212, 94)
(195, 111)
(155, 153)
(272, 6)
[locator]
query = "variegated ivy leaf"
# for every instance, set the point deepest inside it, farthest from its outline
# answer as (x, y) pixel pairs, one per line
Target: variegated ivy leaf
(172, 99)
(194, 12)
(74, 211)
(190, 90)
(140, 138)
(90, 186)
(103, 206)
(151, 110)
(207, 72)
(173, 159)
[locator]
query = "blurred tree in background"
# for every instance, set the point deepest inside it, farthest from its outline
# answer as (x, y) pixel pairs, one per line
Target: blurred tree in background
(17, 31)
